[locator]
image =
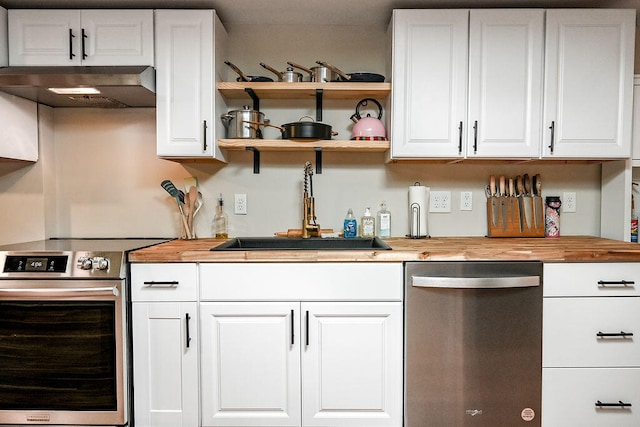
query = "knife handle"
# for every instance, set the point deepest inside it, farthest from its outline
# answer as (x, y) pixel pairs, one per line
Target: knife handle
(519, 186)
(511, 189)
(492, 185)
(503, 190)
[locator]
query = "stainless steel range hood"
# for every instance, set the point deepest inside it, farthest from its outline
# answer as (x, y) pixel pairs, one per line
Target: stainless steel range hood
(118, 87)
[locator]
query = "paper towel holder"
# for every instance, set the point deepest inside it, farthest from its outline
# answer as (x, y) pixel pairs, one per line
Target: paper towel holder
(415, 231)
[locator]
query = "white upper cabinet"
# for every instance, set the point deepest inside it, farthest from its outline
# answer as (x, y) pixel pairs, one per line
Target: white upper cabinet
(429, 92)
(189, 47)
(505, 83)
(438, 55)
(80, 37)
(4, 44)
(589, 60)
(19, 124)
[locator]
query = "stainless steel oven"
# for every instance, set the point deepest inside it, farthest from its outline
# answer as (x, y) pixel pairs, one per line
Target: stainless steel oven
(64, 333)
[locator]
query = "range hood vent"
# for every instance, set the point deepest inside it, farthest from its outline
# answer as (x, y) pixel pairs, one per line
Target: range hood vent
(119, 87)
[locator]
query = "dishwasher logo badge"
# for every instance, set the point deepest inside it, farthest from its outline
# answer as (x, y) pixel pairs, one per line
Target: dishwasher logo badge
(528, 414)
(473, 412)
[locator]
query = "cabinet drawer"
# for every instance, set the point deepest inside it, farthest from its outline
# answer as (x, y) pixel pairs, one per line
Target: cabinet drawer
(571, 327)
(592, 279)
(302, 281)
(164, 282)
(569, 397)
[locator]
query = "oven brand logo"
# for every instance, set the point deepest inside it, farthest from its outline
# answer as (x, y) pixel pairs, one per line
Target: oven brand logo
(42, 418)
(473, 412)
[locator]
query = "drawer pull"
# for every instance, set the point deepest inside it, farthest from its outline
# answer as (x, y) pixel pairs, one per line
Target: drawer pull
(169, 284)
(618, 404)
(616, 283)
(620, 334)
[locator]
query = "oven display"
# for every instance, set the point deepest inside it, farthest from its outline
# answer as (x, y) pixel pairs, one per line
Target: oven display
(35, 264)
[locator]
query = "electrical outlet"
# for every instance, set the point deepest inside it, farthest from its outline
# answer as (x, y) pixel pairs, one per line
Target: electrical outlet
(440, 201)
(466, 201)
(240, 204)
(569, 202)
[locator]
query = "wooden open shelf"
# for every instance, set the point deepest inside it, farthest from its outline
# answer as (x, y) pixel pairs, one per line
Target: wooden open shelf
(280, 90)
(297, 145)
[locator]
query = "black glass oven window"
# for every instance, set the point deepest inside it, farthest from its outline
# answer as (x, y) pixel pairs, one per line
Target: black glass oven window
(57, 355)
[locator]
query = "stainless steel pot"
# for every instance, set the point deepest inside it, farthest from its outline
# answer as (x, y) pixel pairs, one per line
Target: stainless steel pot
(289, 76)
(243, 124)
(319, 73)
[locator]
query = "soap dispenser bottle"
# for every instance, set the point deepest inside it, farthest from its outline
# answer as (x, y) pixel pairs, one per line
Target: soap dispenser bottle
(350, 225)
(220, 221)
(368, 224)
(383, 221)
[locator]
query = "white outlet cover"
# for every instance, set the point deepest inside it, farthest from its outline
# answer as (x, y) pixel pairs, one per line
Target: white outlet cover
(440, 201)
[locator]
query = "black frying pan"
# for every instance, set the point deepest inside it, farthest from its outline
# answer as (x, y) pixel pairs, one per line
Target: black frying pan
(353, 77)
(245, 78)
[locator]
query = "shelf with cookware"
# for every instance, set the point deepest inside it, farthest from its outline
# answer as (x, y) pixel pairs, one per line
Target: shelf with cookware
(302, 90)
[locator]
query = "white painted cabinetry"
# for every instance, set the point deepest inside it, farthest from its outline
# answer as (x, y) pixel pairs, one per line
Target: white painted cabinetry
(590, 351)
(165, 345)
(437, 54)
(19, 124)
(589, 60)
(189, 51)
(4, 44)
(80, 37)
(301, 344)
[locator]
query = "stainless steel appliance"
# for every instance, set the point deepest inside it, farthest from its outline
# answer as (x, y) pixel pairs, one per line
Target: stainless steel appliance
(473, 344)
(64, 334)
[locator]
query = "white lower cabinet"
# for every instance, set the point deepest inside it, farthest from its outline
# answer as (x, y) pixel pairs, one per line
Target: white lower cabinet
(165, 345)
(308, 360)
(590, 350)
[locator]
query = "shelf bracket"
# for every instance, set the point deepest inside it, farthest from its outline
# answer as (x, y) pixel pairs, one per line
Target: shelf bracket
(319, 105)
(256, 159)
(318, 160)
(254, 97)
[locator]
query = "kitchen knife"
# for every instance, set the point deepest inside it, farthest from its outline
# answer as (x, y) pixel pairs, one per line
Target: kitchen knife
(494, 201)
(503, 202)
(512, 201)
(520, 189)
(537, 201)
(528, 214)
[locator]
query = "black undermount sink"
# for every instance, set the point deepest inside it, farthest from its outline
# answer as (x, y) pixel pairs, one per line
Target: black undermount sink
(300, 244)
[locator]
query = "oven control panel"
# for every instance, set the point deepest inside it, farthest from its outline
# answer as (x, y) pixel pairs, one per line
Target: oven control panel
(73, 264)
(35, 263)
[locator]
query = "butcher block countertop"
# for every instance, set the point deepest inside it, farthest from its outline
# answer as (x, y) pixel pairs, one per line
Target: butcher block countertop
(563, 249)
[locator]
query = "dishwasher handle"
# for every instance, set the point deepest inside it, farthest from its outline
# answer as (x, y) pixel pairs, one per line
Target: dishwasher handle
(475, 282)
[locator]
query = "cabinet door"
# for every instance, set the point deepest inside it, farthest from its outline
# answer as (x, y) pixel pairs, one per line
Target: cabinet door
(352, 364)
(165, 368)
(44, 37)
(429, 94)
(19, 124)
(4, 43)
(250, 364)
(117, 37)
(569, 397)
(185, 82)
(505, 83)
(589, 59)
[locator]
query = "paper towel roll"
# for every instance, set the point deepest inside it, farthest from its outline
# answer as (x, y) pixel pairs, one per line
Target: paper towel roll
(418, 210)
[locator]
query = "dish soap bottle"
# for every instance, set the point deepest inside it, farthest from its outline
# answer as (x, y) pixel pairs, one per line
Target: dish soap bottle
(220, 221)
(368, 224)
(383, 221)
(350, 225)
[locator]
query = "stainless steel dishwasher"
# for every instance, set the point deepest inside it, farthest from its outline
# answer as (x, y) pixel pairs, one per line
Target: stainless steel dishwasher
(473, 344)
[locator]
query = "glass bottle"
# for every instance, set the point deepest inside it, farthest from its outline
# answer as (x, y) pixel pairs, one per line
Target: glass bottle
(383, 221)
(350, 225)
(368, 224)
(220, 221)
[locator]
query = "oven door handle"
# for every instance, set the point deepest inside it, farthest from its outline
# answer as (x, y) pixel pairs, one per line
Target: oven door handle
(475, 282)
(106, 290)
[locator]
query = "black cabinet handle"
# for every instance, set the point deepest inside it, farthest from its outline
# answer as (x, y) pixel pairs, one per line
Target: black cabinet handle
(553, 131)
(204, 138)
(292, 326)
(71, 37)
(460, 138)
(172, 283)
(623, 283)
(307, 328)
(475, 136)
(84, 50)
(187, 319)
(620, 334)
(618, 404)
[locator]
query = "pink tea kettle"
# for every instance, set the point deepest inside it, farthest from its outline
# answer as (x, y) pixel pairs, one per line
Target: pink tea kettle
(368, 128)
